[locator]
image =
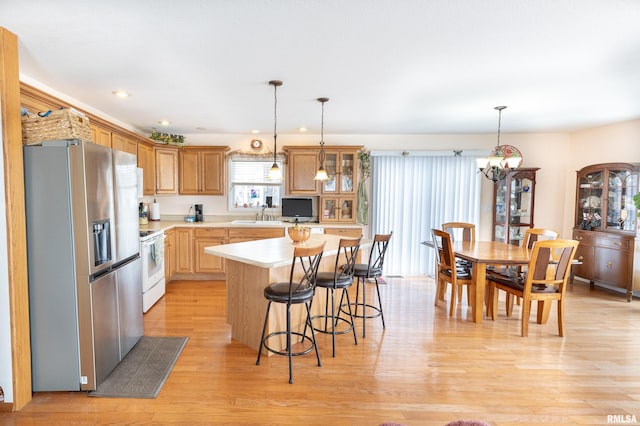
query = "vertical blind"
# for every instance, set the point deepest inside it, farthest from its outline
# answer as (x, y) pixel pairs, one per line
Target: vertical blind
(413, 194)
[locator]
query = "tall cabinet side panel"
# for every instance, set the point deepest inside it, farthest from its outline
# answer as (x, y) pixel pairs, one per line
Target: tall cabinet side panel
(52, 287)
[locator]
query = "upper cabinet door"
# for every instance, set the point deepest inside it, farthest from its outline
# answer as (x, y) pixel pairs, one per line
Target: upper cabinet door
(202, 170)
(301, 170)
(213, 172)
(166, 171)
(147, 162)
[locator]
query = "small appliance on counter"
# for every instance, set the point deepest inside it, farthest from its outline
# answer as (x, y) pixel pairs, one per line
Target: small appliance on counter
(154, 213)
(199, 215)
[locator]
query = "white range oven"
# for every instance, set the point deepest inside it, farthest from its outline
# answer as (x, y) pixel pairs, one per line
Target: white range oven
(152, 255)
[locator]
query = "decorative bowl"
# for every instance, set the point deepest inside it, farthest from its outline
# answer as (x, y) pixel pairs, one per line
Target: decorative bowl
(299, 234)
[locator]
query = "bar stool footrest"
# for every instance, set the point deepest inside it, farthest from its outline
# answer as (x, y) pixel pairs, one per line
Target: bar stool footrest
(377, 310)
(285, 352)
(349, 329)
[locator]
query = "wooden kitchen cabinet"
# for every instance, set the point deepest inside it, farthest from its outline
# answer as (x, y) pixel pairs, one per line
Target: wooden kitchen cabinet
(239, 235)
(337, 209)
(147, 162)
(123, 143)
(166, 164)
(206, 237)
(302, 164)
(202, 170)
(169, 254)
(100, 136)
(605, 224)
(341, 166)
(344, 232)
(184, 250)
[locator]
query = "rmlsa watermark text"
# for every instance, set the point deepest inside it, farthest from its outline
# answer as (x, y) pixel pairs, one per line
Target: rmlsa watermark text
(622, 419)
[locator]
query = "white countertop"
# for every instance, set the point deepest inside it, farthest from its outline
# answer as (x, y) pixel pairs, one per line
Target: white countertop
(165, 225)
(272, 252)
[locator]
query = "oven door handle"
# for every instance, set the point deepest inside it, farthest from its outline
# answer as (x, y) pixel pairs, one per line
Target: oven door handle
(152, 241)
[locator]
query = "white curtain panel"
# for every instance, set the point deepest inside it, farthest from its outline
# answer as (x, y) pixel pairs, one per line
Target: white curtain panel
(413, 194)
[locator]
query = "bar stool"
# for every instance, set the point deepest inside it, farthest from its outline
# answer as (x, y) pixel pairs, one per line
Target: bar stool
(340, 278)
(299, 289)
(366, 271)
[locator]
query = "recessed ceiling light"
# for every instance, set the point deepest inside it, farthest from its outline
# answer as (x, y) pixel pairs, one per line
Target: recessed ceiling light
(164, 122)
(255, 132)
(302, 129)
(121, 93)
(201, 128)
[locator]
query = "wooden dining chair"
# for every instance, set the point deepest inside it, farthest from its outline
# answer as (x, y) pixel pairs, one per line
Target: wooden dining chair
(545, 280)
(461, 231)
(531, 235)
(448, 271)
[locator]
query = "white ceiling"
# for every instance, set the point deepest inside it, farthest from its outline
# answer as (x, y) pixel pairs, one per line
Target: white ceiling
(388, 66)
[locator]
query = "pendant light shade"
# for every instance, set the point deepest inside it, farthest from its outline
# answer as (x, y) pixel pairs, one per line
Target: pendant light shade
(322, 172)
(501, 159)
(275, 173)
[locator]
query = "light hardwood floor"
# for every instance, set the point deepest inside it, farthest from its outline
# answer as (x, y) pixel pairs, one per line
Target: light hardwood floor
(424, 369)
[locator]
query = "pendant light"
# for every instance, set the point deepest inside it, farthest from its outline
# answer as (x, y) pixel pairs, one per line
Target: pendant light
(322, 173)
(501, 159)
(275, 172)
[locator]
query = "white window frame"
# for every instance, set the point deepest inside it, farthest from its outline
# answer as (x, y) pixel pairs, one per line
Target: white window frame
(257, 181)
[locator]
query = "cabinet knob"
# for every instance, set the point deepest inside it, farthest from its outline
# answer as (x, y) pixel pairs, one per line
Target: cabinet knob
(609, 265)
(580, 258)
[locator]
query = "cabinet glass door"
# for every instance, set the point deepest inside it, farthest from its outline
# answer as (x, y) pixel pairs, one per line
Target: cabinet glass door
(346, 172)
(589, 209)
(621, 211)
(500, 231)
(331, 166)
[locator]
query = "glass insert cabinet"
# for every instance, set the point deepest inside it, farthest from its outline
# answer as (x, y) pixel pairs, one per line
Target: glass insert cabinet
(606, 221)
(604, 197)
(514, 205)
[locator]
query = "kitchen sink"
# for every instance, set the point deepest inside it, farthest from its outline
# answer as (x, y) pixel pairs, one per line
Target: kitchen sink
(256, 222)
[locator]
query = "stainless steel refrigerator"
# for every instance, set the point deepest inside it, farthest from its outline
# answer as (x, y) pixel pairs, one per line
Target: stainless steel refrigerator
(85, 294)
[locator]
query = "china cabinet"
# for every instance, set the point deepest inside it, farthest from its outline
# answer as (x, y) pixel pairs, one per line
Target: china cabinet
(513, 210)
(605, 224)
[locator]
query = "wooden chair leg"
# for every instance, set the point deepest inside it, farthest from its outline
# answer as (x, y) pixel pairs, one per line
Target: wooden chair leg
(509, 304)
(526, 312)
(560, 317)
(493, 291)
(453, 299)
(544, 308)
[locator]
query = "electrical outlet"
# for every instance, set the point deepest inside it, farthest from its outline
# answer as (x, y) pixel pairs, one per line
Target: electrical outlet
(83, 380)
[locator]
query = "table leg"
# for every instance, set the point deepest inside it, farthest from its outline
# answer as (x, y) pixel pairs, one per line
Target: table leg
(480, 281)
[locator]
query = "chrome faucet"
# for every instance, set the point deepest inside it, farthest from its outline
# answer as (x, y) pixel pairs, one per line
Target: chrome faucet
(263, 216)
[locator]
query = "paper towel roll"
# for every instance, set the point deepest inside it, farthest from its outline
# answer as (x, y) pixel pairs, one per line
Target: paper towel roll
(154, 213)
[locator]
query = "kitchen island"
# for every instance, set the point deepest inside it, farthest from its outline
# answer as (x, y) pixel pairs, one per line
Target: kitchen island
(253, 265)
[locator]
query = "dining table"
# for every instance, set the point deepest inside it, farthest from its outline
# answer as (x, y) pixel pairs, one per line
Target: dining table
(488, 253)
(481, 254)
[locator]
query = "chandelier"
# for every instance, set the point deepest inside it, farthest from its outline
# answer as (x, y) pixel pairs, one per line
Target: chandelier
(502, 159)
(322, 173)
(275, 172)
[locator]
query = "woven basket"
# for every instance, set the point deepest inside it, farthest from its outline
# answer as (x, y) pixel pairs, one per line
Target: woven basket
(60, 124)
